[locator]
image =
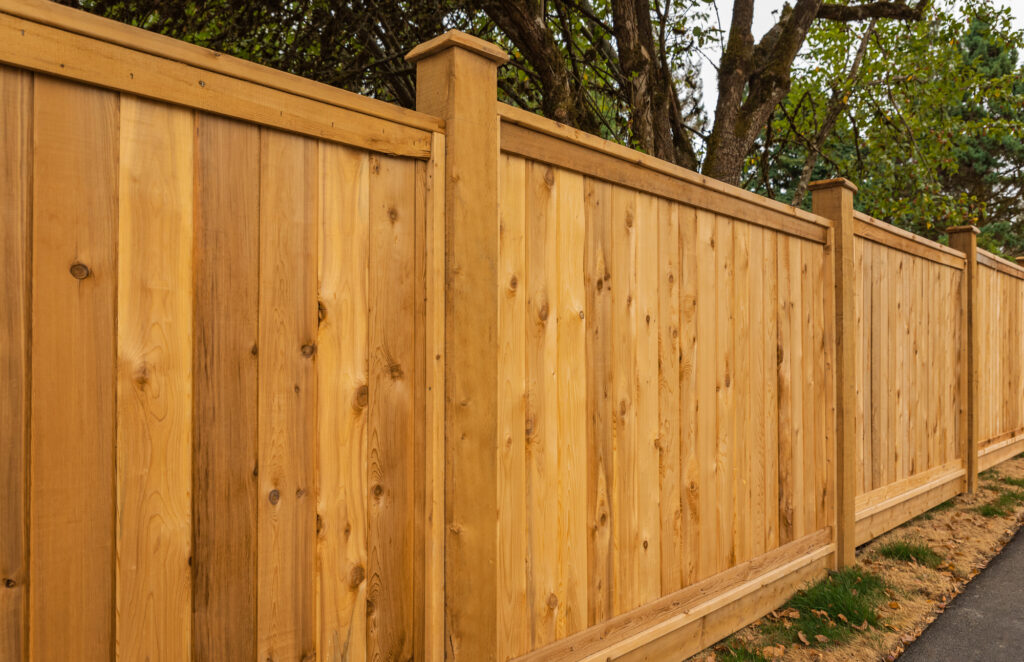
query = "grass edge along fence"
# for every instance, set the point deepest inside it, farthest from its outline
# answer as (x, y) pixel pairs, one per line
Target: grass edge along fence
(613, 410)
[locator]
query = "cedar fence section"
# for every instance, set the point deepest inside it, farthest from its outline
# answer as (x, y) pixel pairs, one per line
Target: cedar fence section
(290, 374)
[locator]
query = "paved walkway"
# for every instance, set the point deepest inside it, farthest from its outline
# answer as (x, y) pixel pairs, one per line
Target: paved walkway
(986, 621)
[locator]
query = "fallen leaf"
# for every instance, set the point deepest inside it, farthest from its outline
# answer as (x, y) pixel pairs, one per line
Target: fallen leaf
(773, 652)
(860, 628)
(842, 618)
(803, 638)
(894, 605)
(821, 638)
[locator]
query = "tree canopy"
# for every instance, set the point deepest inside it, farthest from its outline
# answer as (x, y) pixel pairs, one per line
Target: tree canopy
(922, 105)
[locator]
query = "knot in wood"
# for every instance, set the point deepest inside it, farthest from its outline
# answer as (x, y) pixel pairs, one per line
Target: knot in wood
(308, 350)
(321, 311)
(395, 370)
(543, 312)
(356, 577)
(362, 396)
(274, 497)
(378, 490)
(9, 583)
(552, 601)
(80, 271)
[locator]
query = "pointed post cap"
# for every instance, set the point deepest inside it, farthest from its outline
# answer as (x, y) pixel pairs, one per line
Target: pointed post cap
(840, 182)
(459, 39)
(957, 229)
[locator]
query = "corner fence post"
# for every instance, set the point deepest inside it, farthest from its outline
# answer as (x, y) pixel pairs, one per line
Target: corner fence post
(456, 80)
(964, 238)
(833, 199)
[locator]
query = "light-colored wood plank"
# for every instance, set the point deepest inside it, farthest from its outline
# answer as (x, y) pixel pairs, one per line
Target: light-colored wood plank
(15, 315)
(75, 211)
(391, 413)
(742, 524)
(759, 369)
(725, 439)
(226, 265)
(669, 360)
(688, 430)
(514, 619)
(542, 401)
(154, 385)
(103, 64)
(342, 400)
(625, 525)
(600, 402)
(645, 308)
(571, 370)
(798, 356)
(286, 550)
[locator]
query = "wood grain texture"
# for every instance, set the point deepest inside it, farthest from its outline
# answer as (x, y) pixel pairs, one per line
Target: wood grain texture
(514, 611)
(391, 417)
(224, 483)
(286, 518)
(15, 329)
(342, 399)
(75, 212)
(154, 385)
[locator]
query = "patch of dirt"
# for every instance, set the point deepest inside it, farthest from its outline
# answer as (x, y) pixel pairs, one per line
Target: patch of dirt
(965, 539)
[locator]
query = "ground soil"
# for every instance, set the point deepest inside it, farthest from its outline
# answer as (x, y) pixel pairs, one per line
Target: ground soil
(965, 539)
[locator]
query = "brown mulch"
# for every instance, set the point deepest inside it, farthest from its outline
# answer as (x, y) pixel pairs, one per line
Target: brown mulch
(965, 539)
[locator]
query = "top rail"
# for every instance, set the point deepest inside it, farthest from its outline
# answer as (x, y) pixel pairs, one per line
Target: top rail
(899, 239)
(529, 135)
(999, 264)
(137, 61)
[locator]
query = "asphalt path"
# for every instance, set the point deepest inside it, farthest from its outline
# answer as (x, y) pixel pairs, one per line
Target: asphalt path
(985, 622)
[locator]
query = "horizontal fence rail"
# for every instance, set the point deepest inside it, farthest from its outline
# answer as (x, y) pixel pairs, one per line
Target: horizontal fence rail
(291, 374)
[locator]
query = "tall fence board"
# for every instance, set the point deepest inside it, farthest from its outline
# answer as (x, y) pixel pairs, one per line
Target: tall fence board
(290, 374)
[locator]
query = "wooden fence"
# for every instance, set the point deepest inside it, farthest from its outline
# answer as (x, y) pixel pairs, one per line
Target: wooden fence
(290, 374)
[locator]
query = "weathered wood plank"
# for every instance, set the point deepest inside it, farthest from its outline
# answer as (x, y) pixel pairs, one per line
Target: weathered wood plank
(226, 264)
(74, 272)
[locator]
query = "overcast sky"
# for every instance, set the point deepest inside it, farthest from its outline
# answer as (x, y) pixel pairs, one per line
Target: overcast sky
(765, 15)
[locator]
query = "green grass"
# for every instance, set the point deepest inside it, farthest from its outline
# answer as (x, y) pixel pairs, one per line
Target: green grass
(910, 550)
(853, 592)
(929, 514)
(1016, 482)
(732, 650)
(1003, 504)
(989, 474)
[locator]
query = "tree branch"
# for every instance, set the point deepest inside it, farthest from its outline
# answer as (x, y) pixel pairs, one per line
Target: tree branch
(897, 10)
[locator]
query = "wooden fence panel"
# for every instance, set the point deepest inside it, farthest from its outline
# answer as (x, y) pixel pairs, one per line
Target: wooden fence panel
(907, 385)
(1000, 359)
(613, 306)
(229, 379)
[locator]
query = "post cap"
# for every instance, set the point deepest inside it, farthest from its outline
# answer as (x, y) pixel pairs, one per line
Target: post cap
(957, 229)
(457, 38)
(840, 182)
(1020, 260)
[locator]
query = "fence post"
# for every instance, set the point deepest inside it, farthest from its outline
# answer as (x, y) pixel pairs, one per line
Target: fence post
(964, 238)
(833, 199)
(456, 80)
